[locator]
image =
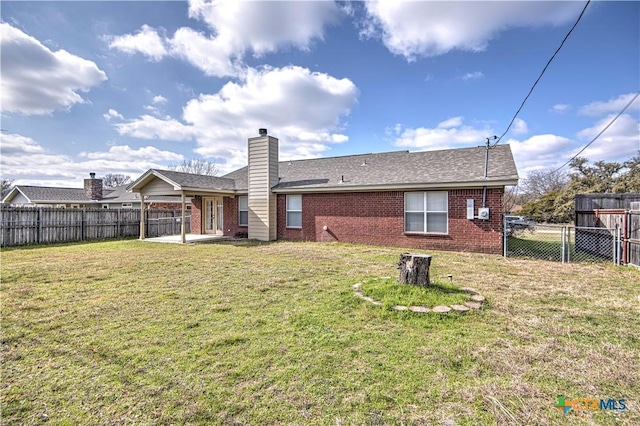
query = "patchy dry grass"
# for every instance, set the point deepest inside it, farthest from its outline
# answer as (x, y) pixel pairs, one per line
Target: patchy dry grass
(137, 333)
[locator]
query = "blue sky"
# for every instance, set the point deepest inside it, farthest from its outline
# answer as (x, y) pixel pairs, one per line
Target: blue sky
(121, 87)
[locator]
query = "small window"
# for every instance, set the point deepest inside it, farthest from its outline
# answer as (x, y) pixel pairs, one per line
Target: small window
(294, 211)
(127, 205)
(105, 206)
(75, 206)
(426, 212)
(243, 210)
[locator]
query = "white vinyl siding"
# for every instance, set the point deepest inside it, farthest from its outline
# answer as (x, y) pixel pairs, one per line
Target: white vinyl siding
(243, 210)
(426, 212)
(294, 211)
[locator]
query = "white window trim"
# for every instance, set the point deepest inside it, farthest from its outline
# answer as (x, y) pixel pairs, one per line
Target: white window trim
(243, 210)
(127, 205)
(293, 211)
(426, 212)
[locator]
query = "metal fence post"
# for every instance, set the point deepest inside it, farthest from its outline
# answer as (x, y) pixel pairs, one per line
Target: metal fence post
(504, 236)
(569, 242)
(563, 239)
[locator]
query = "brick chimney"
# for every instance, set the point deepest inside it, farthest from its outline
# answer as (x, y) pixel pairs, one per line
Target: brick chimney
(263, 175)
(93, 187)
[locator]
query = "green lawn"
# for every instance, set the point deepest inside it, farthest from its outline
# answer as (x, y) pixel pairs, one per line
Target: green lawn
(139, 333)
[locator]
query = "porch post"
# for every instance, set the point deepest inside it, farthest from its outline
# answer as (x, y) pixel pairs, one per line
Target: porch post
(142, 219)
(183, 237)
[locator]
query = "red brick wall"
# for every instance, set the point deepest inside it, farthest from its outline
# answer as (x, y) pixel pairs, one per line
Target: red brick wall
(378, 218)
(231, 227)
(196, 215)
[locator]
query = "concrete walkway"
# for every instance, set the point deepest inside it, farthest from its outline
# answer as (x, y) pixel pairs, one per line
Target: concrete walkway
(191, 238)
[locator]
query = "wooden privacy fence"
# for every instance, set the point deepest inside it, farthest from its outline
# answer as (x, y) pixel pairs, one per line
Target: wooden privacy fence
(48, 225)
(614, 211)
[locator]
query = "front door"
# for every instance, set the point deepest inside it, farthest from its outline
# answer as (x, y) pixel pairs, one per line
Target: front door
(213, 220)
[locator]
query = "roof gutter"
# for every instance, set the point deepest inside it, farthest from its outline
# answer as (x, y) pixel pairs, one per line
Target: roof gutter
(395, 187)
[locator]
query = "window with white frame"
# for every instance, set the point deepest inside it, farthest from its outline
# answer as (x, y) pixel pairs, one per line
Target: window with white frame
(243, 210)
(105, 206)
(426, 212)
(127, 205)
(294, 211)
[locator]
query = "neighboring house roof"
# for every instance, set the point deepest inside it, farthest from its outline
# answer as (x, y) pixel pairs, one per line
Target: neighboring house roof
(399, 169)
(53, 195)
(185, 181)
(47, 194)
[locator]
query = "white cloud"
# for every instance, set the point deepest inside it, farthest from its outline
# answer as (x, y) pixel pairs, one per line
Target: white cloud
(413, 29)
(146, 41)
(470, 76)
(236, 29)
(158, 99)
(540, 152)
(111, 114)
(126, 153)
(615, 105)
(302, 108)
(27, 162)
(451, 133)
(148, 127)
(560, 108)
(211, 55)
(36, 80)
(519, 127)
(451, 122)
(14, 144)
(264, 27)
(618, 143)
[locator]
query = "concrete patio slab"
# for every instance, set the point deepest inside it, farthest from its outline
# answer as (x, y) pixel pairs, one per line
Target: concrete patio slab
(190, 238)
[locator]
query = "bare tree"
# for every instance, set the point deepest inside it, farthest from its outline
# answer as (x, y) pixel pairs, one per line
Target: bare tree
(510, 199)
(7, 184)
(111, 180)
(196, 166)
(541, 182)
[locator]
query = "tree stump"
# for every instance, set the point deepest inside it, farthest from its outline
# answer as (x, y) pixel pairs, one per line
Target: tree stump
(414, 269)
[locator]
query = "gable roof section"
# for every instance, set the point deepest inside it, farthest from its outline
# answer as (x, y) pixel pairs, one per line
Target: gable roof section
(48, 194)
(462, 167)
(53, 195)
(184, 182)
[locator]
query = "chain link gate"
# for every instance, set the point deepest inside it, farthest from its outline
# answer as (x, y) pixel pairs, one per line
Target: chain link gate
(561, 243)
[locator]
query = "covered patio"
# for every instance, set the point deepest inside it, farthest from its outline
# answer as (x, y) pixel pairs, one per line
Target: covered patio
(170, 183)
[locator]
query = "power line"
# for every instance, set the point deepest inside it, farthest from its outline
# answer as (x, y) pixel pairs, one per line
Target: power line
(542, 73)
(601, 132)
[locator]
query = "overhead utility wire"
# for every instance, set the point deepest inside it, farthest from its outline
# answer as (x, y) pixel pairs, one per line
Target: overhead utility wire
(601, 132)
(542, 73)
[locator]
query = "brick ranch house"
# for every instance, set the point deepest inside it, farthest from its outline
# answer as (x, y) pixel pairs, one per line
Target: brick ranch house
(445, 200)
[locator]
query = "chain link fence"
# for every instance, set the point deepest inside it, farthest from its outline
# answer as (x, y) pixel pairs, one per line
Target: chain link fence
(561, 243)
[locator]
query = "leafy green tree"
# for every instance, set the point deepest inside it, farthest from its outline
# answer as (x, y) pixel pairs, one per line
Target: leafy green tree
(558, 204)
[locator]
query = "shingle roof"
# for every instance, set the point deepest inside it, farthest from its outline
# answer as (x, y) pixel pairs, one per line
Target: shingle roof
(48, 193)
(445, 167)
(189, 180)
(119, 194)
